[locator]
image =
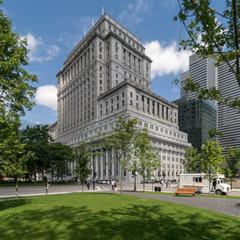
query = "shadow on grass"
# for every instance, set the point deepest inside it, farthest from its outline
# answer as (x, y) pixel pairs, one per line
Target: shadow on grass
(13, 203)
(135, 221)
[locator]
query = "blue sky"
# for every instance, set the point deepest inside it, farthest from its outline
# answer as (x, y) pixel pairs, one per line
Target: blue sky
(52, 28)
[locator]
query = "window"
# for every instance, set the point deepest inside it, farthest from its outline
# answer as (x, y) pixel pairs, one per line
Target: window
(197, 179)
(131, 94)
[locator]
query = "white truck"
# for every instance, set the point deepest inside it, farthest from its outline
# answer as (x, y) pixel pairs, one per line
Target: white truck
(201, 183)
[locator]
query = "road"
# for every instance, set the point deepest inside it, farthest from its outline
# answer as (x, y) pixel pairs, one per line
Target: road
(53, 189)
(230, 206)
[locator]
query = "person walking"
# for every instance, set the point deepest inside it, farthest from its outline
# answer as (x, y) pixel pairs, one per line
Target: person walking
(88, 185)
(214, 184)
(115, 186)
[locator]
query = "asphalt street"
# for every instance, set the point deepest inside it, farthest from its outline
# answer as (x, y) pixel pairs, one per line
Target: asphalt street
(228, 206)
(39, 190)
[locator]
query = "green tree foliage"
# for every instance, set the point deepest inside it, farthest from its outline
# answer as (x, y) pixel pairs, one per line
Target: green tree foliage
(83, 154)
(60, 156)
(37, 140)
(16, 95)
(192, 160)
(147, 160)
(122, 141)
(12, 151)
(213, 33)
(232, 163)
(211, 159)
(15, 92)
(208, 161)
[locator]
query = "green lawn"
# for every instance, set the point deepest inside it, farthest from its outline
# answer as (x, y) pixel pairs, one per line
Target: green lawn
(110, 216)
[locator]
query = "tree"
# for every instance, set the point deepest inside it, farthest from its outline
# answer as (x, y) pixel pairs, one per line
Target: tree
(82, 157)
(122, 141)
(12, 151)
(211, 159)
(16, 95)
(212, 32)
(60, 156)
(192, 160)
(232, 163)
(37, 140)
(147, 159)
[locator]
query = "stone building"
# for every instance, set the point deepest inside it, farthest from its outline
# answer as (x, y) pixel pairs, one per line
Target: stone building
(108, 75)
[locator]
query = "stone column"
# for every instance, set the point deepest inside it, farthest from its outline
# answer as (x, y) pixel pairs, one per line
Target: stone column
(106, 157)
(96, 166)
(156, 108)
(101, 164)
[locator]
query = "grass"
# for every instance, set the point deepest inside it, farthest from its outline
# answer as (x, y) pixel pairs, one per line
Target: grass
(110, 216)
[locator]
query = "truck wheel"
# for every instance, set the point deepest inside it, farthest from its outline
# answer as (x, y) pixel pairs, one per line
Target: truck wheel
(218, 192)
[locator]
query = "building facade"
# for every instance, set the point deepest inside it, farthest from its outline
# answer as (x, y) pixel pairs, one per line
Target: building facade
(201, 71)
(228, 118)
(108, 75)
(196, 116)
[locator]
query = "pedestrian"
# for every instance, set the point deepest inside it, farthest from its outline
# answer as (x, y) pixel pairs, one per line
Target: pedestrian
(161, 182)
(47, 187)
(214, 184)
(88, 185)
(115, 186)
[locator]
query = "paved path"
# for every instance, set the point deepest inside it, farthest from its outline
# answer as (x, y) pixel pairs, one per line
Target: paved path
(228, 206)
(53, 189)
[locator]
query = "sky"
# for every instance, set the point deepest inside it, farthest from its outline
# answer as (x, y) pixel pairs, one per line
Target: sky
(53, 28)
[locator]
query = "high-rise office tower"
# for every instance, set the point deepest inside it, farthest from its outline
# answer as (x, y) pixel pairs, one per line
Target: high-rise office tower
(228, 118)
(108, 75)
(201, 71)
(197, 117)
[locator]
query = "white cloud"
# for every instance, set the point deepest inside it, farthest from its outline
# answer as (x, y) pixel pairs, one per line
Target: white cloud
(166, 59)
(39, 51)
(135, 12)
(47, 96)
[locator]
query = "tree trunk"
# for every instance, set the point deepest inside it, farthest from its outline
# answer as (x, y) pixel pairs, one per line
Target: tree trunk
(144, 183)
(82, 187)
(16, 187)
(121, 179)
(231, 182)
(209, 180)
(135, 182)
(35, 177)
(52, 174)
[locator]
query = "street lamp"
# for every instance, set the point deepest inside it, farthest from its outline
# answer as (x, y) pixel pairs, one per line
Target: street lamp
(135, 180)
